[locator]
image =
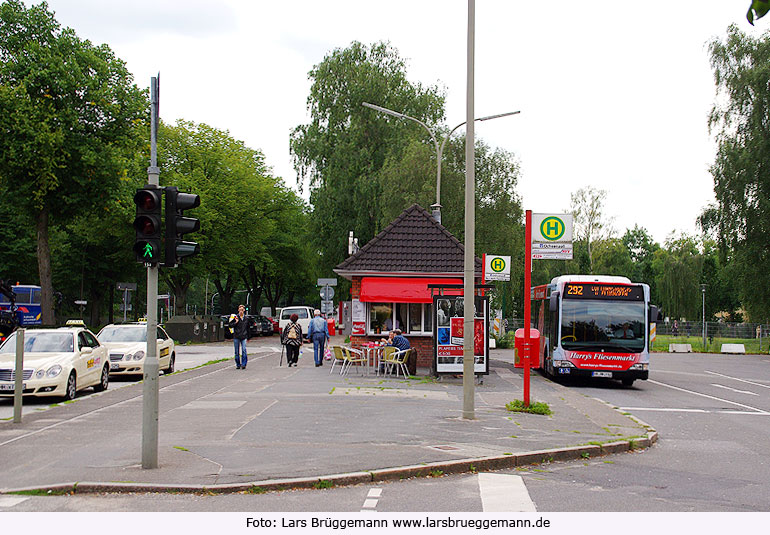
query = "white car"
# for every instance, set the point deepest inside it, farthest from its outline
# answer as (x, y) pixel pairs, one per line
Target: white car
(127, 343)
(57, 362)
(304, 315)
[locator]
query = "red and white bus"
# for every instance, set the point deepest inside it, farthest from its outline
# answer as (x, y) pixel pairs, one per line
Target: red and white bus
(594, 326)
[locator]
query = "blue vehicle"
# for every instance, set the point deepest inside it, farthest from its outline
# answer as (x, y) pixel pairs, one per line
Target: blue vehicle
(22, 302)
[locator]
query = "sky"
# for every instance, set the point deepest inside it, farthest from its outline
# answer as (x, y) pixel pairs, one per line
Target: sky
(613, 94)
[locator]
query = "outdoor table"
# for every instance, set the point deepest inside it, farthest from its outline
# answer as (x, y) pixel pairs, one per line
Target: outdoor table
(373, 353)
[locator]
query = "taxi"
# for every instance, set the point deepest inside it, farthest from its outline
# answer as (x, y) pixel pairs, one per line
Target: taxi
(57, 362)
(127, 343)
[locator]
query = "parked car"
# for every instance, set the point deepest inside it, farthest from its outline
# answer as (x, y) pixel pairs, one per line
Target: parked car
(267, 311)
(127, 343)
(265, 326)
(57, 362)
(304, 313)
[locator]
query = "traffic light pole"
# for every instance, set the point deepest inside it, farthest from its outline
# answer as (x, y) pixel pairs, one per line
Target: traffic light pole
(150, 393)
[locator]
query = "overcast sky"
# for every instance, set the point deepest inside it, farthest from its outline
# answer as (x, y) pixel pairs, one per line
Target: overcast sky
(612, 94)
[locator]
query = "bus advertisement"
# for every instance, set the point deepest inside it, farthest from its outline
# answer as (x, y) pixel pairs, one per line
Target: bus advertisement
(593, 326)
(25, 299)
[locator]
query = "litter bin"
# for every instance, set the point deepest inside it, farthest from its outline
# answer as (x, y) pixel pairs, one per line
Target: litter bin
(519, 345)
(330, 324)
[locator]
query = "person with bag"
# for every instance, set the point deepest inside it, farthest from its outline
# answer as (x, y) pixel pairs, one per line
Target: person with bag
(291, 337)
(318, 332)
(240, 329)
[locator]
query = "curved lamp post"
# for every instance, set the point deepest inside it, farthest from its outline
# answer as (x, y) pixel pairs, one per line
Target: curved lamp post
(439, 148)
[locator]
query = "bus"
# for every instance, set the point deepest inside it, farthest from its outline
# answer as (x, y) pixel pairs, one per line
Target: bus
(593, 326)
(26, 298)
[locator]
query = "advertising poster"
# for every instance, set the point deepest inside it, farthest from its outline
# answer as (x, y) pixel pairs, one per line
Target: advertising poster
(358, 316)
(448, 339)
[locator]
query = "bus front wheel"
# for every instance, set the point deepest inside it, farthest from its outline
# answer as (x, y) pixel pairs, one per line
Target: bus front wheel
(627, 381)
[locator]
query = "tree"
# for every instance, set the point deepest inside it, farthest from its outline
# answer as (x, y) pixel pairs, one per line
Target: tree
(740, 220)
(757, 9)
(339, 153)
(70, 122)
(236, 192)
(587, 206)
(679, 267)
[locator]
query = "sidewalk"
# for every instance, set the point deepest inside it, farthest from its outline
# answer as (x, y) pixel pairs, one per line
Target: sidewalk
(277, 427)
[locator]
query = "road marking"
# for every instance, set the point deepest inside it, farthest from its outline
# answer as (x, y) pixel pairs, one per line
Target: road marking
(260, 413)
(661, 409)
(759, 411)
(736, 379)
(734, 389)
(100, 409)
(12, 501)
(214, 404)
(504, 493)
(370, 503)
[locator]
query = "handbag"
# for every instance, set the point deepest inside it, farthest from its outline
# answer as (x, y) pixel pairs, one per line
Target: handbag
(327, 353)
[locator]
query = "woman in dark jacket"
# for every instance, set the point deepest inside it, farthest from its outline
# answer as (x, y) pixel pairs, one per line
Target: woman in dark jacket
(291, 337)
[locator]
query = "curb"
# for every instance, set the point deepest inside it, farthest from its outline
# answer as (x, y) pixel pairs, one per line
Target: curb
(436, 469)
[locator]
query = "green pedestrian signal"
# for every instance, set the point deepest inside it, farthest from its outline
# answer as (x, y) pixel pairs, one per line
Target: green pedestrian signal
(147, 224)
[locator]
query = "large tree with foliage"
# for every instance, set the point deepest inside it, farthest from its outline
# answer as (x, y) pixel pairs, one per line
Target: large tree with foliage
(740, 219)
(70, 122)
(590, 222)
(341, 150)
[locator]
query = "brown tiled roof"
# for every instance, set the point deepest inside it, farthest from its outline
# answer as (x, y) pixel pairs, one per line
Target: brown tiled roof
(413, 242)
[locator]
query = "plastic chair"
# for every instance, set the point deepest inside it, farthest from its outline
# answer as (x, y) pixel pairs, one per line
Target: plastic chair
(397, 360)
(382, 359)
(353, 356)
(339, 357)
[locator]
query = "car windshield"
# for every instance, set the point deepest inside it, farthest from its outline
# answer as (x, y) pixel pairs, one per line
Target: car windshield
(602, 324)
(123, 334)
(41, 342)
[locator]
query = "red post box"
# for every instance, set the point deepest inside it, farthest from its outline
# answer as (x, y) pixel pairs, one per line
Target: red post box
(519, 345)
(330, 324)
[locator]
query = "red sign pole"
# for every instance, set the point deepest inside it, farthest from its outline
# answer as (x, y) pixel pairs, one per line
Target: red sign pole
(527, 299)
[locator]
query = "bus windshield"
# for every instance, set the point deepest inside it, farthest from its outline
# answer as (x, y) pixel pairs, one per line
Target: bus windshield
(593, 324)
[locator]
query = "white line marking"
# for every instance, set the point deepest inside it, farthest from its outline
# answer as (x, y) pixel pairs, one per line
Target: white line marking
(11, 501)
(504, 493)
(100, 409)
(736, 379)
(250, 420)
(709, 397)
(370, 503)
(734, 389)
(662, 410)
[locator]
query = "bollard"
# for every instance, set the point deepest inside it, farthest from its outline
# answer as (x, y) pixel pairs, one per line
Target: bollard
(19, 377)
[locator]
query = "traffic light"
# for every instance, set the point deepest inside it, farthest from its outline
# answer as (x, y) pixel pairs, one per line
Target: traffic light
(147, 224)
(177, 225)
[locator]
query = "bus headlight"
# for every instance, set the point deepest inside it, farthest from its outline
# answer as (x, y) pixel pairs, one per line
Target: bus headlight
(562, 364)
(640, 366)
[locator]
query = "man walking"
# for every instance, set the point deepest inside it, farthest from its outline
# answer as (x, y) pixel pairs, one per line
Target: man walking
(240, 327)
(318, 333)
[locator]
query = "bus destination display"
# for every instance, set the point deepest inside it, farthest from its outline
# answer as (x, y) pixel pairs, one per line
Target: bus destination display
(587, 290)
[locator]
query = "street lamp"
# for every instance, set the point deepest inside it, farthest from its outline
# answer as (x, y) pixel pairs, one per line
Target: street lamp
(439, 148)
(703, 292)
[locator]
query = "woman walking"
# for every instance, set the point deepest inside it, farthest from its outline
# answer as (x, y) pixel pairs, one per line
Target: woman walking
(291, 337)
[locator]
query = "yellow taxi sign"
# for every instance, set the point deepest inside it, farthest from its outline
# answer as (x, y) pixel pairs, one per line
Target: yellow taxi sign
(75, 323)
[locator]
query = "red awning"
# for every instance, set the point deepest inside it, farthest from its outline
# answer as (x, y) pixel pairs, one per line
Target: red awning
(402, 290)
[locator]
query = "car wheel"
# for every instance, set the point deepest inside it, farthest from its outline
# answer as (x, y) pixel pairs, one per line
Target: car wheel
(104, 380)
(71, 390)
(170, 368)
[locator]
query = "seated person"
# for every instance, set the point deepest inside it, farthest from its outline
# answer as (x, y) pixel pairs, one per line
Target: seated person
(398, 340)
